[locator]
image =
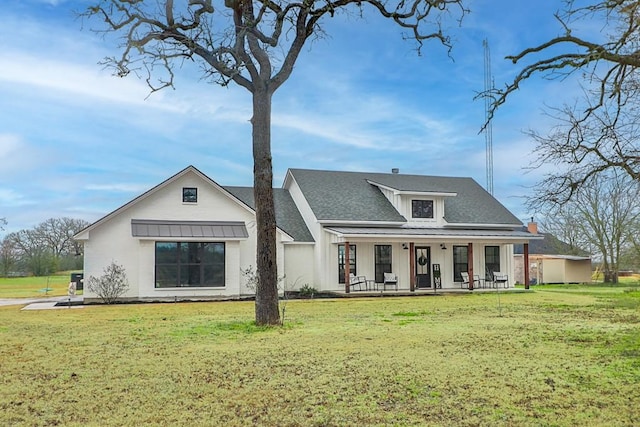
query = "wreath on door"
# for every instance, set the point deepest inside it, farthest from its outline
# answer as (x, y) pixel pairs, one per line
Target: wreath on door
(422, 260)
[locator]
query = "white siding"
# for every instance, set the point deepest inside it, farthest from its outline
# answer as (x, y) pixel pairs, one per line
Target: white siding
(299, 268)
(111, 240)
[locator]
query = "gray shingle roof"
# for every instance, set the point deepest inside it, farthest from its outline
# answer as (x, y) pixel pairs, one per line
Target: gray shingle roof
(348, 196)
(288, 217)
(344, 196)
(550, 245)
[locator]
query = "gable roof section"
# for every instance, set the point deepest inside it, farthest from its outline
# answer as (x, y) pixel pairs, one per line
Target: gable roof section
(353, 196)
(288, 217)
(82, 234)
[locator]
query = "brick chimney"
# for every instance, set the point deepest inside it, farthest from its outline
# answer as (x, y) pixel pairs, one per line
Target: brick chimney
(532, 227)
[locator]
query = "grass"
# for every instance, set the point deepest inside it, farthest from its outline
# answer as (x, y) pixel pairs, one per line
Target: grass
(33, 287)
(553, 358)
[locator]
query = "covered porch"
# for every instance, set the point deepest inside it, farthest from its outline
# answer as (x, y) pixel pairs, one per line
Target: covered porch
(425, 259)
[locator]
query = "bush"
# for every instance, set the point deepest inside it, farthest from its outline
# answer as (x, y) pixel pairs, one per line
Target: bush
(111, 285)
(308, 291)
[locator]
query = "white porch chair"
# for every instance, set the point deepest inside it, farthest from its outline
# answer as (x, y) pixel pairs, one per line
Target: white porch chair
(465, 281)
(357, 281)
(390, 279)
(500, 278)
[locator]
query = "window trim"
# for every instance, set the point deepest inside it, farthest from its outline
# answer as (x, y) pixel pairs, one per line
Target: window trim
(341, 261)
(380, 267)
(457, 277)
(218, 267)
(488, 272)
(421, 209)
(186, 196)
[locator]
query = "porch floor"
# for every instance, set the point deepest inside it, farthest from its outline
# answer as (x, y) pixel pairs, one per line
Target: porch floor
(420, 292)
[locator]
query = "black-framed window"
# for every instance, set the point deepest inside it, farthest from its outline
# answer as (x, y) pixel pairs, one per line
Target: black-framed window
(189, 264)
(460, 262)
(382, 255)
(422, 208)
(189, 195)
(342, 261)
(491, 261)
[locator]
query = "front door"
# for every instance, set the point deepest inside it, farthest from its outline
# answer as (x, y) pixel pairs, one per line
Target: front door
(423, 267)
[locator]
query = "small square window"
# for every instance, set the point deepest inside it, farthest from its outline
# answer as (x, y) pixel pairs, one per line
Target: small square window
(189, 195)
(422, 208)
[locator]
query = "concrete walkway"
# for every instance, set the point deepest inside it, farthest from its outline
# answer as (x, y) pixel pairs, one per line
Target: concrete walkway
(43, 303)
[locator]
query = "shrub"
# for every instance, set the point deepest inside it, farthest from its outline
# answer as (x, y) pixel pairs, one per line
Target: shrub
(308, 291)
(111, 285)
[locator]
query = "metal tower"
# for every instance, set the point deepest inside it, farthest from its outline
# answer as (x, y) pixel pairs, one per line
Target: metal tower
(488, 130)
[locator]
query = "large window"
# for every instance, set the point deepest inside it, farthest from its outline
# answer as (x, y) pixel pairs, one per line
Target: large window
(342, 261)
(491, 261)
(422, 208)
(382, 261)
(460, 262)
(191, 264)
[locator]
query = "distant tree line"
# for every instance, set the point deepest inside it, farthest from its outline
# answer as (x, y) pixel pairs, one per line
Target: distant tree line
(42, 250)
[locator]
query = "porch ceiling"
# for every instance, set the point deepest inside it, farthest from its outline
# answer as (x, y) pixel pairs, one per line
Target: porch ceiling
(425, 233)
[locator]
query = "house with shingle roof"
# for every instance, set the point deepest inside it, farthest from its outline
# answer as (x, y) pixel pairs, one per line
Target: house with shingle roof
(190, 237)
(552, 261)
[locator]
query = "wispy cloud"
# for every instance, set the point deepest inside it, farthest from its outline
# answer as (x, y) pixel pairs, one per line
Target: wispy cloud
(360, 99)
(118, 188)
(64, 77)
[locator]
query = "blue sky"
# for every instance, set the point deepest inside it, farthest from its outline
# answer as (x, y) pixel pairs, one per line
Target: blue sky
(77, 142)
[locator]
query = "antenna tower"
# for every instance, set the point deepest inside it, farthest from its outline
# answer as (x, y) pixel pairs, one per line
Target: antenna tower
(488, 130)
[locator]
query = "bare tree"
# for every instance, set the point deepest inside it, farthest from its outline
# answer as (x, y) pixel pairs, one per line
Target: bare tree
(600, 132)
(8, 256)
(603, 215)
(42, 247)
(57, 234)
(32, 251)
(254, 44)
(565, 230)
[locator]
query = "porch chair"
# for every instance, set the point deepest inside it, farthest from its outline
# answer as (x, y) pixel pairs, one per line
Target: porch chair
(465, 281)
(390, 279)
(482, 283)
(500, 278)
(357, 281)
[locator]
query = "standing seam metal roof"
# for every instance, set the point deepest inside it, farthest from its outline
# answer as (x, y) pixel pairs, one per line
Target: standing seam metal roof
(188, 229)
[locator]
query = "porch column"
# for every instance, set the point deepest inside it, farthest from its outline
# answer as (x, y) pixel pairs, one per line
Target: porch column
(412, 267)
(526, 266)
(470, 265)
(347, 267)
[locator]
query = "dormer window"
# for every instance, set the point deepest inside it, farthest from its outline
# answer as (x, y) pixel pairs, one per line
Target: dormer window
(422, 209)
(189, 195)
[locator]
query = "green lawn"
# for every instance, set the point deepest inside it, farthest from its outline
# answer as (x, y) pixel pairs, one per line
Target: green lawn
(33, 287)
(557, 356)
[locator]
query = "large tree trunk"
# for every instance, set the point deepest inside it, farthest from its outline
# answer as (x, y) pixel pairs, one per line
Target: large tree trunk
(267, 311)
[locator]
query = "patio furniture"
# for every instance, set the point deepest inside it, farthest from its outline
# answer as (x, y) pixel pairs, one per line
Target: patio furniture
(390, 279)
(357, 281)
(465, 281)
(500, 278)
(482, 283)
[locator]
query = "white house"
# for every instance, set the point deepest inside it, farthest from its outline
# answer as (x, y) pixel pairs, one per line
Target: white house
(190, 237)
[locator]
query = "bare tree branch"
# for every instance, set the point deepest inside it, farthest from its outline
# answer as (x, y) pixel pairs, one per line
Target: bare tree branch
(599, 132)
(255, 44)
